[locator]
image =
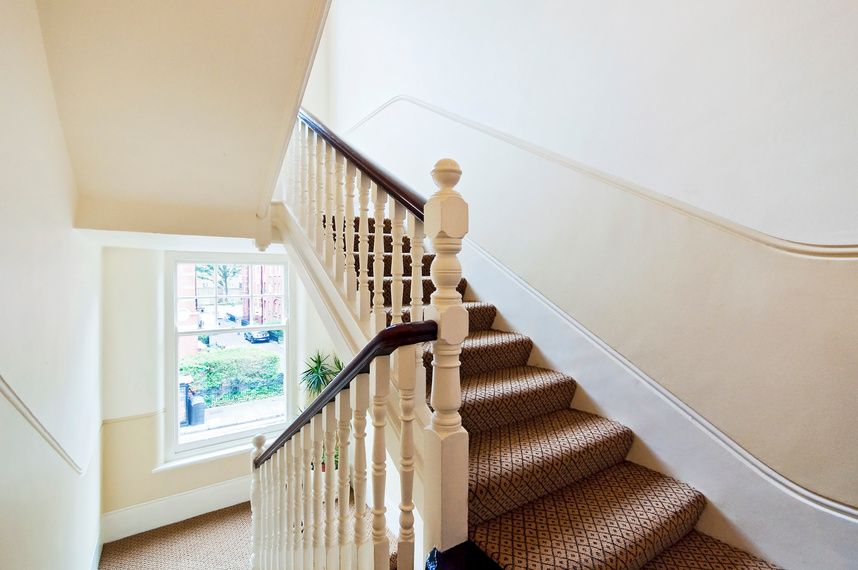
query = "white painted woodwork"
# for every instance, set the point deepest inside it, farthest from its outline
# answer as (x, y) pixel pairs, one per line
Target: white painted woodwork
(364, 302)
(332, 547)
(350, 277)
(397, 220)
(380, 371)
(330, 188)
(292, 521)
(406, 358)
(307, 495)
(446, 217)
(312, 186)
(360, 403)
(417, 235)
(339, 217)
(319, 225)
(256, 505)
(344, 415)
(318, 493)
(379, 318)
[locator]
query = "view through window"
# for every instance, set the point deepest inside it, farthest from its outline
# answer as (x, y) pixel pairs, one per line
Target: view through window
(231, 339)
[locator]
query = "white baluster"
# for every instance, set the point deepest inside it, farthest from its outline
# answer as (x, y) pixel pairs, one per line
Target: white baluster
(305, 194)
(263, 548)
(350, 277)
(318, 495)
(298, 501)
(379, 317)
(397, 230)
(312, 186)
(339, 205)
(307, 493)
(416, 235)
(380, 370)
(256, 505)
(360, 403)
(283, 535)
(296, 169)
(319, 227)
(332, 547)
(363, 253)
(330, 190)
(406, 376)
(344, 413)
(290, 509)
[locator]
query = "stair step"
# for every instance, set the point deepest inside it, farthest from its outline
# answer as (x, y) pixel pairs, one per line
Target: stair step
(702, 552)
(517, 463)
(500, 397)
(388, 263)
(387, 227)
(484, 351)
(388, 243)
(428, 289)
(480, 315)
(621, 517)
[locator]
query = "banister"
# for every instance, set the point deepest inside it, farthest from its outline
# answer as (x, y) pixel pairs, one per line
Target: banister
(384, 343)
(400, 191)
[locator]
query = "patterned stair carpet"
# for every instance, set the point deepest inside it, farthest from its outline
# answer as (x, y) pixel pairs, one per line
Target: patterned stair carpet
(549, 486)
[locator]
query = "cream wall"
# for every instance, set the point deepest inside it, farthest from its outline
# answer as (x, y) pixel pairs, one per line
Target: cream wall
(718, 105)
(135, 472)
(742, 109)
(50, 328)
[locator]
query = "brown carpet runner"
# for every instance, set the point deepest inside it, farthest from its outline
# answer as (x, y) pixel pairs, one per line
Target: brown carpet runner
(549, 486)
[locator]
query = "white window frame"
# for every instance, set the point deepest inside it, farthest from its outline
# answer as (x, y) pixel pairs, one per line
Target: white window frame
(173, 450)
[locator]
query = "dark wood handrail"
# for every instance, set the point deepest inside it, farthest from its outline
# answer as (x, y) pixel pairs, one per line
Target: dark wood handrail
(382, 344)
(401, 192)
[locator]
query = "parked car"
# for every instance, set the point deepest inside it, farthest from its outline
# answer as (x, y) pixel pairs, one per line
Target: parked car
(256, 336)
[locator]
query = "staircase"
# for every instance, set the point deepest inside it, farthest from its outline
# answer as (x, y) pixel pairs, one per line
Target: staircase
(548, 485)
(544, 486)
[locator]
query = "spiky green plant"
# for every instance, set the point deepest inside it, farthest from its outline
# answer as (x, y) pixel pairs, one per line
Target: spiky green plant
(319, 373)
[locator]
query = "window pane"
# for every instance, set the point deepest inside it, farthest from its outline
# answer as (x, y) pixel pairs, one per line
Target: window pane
(187, 317)
(229, 389)
(205, 280)
(268, 311)
(233, 279)
(267, 280)
(233, 312)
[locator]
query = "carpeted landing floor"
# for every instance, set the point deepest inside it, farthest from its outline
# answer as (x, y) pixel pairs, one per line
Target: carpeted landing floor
(215, 541)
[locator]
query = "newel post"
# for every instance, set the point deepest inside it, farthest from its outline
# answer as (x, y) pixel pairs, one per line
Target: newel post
(256, 513)
(446, 441)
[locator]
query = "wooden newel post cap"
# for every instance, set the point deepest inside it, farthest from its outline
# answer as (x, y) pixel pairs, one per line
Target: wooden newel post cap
(446, 173)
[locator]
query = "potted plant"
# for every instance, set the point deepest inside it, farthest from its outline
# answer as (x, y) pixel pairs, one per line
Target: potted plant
(316, 378)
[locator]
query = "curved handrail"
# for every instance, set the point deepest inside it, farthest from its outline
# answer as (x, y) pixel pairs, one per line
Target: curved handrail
(382, 344)
(400, 191)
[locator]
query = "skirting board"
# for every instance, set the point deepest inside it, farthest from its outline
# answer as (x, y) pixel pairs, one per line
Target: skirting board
(749, 506)
(168, 510)
(96, 554)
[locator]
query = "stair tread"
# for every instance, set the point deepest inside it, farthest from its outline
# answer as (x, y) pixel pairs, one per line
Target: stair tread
(621, 517)
(487, 350)
(520, 462)
(491, 399)
(702, 552)
(480, 315)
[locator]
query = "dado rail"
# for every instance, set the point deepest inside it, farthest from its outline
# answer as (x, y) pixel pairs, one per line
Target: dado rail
(367, 230)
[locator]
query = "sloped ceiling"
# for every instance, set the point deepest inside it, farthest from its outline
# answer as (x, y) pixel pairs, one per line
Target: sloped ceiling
(173, 109)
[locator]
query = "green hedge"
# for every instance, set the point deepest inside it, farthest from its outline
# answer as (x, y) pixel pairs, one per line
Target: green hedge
(227, 367)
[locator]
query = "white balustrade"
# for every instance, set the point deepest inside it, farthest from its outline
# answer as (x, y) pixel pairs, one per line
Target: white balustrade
(301, 515)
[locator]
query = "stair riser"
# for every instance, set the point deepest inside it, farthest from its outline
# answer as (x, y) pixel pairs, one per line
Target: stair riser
(479, 318)
(428, 289)
(487, 358)
(570, 452)
(388, 264)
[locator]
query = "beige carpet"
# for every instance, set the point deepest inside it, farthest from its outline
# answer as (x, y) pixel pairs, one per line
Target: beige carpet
(215, 541)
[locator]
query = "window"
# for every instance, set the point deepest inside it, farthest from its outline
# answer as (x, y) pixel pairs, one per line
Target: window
(227, 351)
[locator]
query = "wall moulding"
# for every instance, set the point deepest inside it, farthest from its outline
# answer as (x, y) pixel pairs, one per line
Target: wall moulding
(841, 251)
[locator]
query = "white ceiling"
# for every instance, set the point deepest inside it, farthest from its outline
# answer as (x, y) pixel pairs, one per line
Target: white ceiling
(177, 104)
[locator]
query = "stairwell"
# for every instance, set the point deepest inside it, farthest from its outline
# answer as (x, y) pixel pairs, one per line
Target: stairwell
(549, 486)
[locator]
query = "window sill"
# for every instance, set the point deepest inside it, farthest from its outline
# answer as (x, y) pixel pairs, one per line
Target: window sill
(196, 458)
